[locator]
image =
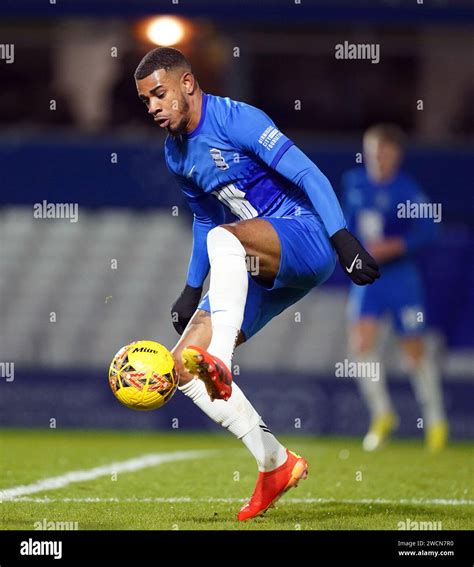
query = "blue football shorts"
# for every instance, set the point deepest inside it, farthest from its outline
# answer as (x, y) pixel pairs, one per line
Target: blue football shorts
(307, 260)
(398, 293)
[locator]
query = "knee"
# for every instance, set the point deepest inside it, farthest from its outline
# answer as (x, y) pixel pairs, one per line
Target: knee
(363, 337)
(414, 353)
(230, 227)
(361, 343)
(224, 237)
(413, 361)
(218, 233)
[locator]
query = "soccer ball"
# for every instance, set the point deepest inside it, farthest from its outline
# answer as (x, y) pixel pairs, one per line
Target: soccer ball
(143, 376)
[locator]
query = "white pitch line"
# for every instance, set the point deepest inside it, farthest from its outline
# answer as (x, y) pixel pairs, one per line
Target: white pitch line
(189, 499)
(55, 482)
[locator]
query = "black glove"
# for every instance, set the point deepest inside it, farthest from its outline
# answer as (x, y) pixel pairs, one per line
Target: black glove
(184, 307)
(356, 262)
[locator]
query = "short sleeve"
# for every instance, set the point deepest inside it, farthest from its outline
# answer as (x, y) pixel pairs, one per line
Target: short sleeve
(251, 130)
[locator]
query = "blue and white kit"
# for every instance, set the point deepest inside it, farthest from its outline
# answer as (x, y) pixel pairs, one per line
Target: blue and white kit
(238, 165)
(371, 211)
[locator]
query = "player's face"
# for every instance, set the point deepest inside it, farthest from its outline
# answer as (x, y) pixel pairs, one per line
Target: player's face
(165, 95)
(382, 158)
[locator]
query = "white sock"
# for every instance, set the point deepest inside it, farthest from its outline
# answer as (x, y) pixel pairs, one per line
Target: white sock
(239, 417)
(264, 446)
(426, 385)
(227, 291)
(373, 391)
(237, 414)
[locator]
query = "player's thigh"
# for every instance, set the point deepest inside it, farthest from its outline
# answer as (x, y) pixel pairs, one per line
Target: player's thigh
(198, 333)
(363, 334)
(261, 244)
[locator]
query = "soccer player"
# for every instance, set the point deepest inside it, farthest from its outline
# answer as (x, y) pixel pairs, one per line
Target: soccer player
(372, 197)
(253, 194)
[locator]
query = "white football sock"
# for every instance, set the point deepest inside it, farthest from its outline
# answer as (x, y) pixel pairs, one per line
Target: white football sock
(227, 291)
(227, 297)
(237, 414)
(264, 446)
(427, 387)
(239, 417)
(374, 392)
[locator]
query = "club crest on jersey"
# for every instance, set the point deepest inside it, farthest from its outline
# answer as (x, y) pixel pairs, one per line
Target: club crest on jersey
(218, 159)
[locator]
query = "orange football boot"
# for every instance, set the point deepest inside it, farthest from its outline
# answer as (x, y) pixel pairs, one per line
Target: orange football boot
(272, 485)
(210, 369)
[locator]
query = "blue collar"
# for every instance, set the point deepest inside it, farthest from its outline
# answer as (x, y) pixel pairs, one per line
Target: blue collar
(196, 130)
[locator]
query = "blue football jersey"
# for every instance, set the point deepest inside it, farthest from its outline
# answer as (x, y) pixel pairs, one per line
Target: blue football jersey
(237, 165)
(372, 210)
(232, 154)
(372, 213)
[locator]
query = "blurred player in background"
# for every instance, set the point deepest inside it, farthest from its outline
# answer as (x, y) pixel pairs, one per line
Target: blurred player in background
(372, 196)
(255, 195)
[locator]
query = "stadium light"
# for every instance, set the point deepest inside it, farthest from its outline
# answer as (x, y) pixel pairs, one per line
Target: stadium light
(165, 30)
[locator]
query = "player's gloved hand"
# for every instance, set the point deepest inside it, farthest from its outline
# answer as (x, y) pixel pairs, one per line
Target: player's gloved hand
(356, 262)
(184, 307)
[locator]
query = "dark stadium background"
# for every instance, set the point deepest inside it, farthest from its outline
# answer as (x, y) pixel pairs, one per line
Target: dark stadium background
(126, 202)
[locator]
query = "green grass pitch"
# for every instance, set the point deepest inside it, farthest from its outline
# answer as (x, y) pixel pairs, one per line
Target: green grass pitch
(346, 488)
